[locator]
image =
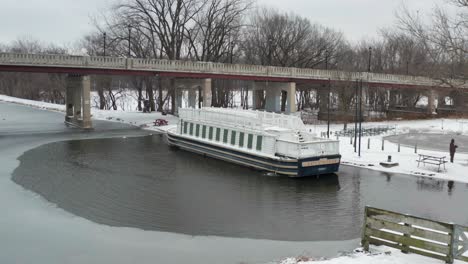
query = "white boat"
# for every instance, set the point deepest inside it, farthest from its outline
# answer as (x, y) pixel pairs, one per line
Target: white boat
(265, 141)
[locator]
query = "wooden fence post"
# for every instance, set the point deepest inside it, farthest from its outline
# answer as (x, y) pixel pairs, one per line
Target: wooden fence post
(368, 143)
(451, 245)
(383, 144)
(364, 238)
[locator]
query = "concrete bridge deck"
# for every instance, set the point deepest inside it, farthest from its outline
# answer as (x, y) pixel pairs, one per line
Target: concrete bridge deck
(189, 69)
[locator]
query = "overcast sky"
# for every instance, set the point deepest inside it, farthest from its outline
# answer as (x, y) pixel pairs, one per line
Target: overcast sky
(66, 21)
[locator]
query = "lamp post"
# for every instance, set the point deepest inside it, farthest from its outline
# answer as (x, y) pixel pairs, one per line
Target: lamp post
(233, 44)
(370, 57)
(328, 108)
(104, 36)
(356, 116)
(129, 40)
(360, 117)
(326, 60)
(270, 50)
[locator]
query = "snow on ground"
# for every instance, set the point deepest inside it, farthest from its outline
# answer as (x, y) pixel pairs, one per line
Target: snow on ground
(407, 158)
(136, 118)
(381, 255)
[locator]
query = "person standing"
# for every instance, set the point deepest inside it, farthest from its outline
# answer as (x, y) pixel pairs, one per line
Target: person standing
(453, 148)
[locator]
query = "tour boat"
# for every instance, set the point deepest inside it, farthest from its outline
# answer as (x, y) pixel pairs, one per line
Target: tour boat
(265, 141)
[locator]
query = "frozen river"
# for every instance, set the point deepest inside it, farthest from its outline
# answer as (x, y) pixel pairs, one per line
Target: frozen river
(89, 197)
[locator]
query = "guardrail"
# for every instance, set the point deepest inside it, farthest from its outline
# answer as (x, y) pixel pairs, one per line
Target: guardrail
(444, 241)
(206, 67)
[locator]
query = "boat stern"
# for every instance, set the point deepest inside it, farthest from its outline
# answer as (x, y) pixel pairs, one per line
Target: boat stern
(318, 165)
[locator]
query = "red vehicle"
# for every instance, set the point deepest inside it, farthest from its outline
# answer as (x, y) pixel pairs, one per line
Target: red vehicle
(160, 122)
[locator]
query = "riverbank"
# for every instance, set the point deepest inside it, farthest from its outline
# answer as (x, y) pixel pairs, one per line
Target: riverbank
(371, 146)
(382, 255)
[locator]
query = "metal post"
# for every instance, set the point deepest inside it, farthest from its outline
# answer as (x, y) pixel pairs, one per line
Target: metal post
(326, 60)
(232, 50)
(105, 35)
(129, 40)
(360, 118)
(368, 143)
(356, 117)
(383, 144)
(328, 109)
(370, 56)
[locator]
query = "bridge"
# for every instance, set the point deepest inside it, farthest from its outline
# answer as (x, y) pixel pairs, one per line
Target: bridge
(277, 79)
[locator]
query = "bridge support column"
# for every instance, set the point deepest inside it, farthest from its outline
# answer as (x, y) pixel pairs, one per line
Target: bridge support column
(86, 104)
(431, 107)
(179, 93)
(192, 97)
(206, 87)
(291, 98)
(322, 94)
(77, 101)
(273, 98)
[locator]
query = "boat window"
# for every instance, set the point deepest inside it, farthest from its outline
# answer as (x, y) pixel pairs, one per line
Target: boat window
(210, 134)
(259, 143)
(197, 130)
(191, 129)
(185, 127)
(218, 134)
(250, 141)
(241, 139)
(204, 131)
(233, 137)
(225, 137)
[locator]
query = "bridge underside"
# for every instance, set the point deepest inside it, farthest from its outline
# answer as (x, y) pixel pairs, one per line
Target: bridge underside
(275, 94)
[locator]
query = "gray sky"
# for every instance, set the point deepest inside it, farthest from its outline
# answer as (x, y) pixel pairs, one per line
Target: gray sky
(65, 21)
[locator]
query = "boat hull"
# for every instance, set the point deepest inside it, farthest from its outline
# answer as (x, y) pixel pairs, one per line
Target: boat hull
(293, 168)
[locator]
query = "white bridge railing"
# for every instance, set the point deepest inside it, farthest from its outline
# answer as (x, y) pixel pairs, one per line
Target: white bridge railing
(43, 60)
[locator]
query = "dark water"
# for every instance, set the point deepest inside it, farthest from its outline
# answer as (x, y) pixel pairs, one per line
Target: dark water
(141, 182)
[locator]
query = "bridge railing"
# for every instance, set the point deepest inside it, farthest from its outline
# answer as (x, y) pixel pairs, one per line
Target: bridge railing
(205, 67)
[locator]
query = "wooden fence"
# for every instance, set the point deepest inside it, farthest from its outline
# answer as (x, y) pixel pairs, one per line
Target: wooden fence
(410, 234)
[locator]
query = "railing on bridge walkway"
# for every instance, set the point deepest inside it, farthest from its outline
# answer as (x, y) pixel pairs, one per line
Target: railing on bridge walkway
(69, 61)
(410, 234)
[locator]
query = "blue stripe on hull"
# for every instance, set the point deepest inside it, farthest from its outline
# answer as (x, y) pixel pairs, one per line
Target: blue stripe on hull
(295, 169)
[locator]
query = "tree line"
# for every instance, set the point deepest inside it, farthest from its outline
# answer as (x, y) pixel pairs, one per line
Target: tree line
(236, 31)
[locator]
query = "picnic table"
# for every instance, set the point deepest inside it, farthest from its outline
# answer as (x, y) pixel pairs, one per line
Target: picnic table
(429, 159)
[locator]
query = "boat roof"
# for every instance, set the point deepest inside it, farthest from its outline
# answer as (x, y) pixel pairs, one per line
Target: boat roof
(253, 119)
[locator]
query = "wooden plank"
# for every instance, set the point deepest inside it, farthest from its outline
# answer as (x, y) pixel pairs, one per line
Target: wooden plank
(408, 241)
(462, 258)
(426, 234)
(412, 220)
(412, 250)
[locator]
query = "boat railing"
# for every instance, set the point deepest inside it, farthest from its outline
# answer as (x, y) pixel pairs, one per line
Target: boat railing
(245, 118)
(307, 149)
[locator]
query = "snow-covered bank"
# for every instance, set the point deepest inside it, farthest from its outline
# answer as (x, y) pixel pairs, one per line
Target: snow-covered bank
(381, 255)
(144, 120)
(407, 158)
